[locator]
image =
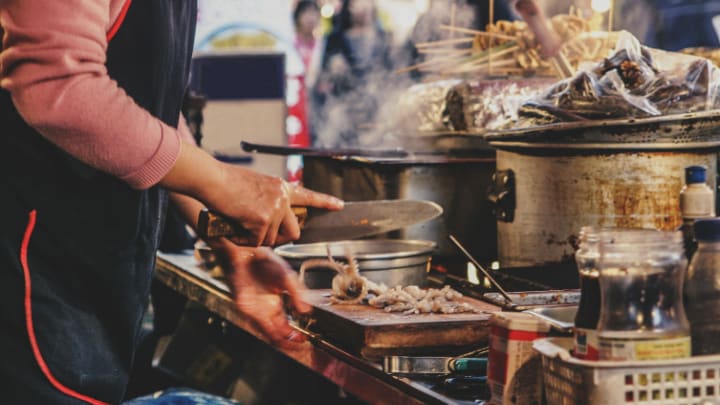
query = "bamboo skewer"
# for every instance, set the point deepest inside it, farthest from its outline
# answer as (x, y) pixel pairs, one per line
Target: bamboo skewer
(466, 68)
(504, 52)
(451, 51)
(428, 63)
(491, 20)
(475, 32)
(442, 42)
(453, 9)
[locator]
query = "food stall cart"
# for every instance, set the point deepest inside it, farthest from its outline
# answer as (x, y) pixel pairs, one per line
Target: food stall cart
(583, 158)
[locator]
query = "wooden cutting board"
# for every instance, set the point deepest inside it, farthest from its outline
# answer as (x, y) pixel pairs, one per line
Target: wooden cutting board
(374, 333)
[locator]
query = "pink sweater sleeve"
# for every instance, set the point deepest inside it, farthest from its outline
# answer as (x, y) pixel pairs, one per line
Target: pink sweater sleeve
(53, 64)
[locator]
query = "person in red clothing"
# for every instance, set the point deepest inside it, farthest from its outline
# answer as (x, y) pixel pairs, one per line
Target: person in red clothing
(92, 146)
(306, 17)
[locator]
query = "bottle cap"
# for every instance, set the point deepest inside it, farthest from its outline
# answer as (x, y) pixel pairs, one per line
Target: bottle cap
(707, 230)
(695, 174)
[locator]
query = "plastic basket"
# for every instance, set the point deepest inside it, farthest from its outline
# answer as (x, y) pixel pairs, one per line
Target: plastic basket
(569, 381)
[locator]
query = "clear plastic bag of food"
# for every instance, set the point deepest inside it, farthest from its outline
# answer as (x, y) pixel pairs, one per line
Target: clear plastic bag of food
(633, 81)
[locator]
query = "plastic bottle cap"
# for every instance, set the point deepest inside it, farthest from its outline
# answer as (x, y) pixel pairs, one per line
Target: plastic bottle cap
(695, 174)
(707, 230)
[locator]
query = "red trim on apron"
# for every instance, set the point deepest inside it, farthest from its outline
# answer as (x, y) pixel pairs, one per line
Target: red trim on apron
(121, 17)
(29, 322)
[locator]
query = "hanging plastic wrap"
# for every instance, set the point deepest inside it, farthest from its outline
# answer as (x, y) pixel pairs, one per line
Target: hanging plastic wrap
(634, 81)
(450, 106)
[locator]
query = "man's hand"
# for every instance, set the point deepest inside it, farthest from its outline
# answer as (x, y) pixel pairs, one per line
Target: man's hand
(260, 204)
(257, 278)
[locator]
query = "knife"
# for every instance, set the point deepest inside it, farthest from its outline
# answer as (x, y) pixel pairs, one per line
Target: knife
(355, 220)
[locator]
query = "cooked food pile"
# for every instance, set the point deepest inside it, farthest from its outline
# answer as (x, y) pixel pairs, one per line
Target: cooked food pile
(509, 48)
(349, 287)
(630, 83)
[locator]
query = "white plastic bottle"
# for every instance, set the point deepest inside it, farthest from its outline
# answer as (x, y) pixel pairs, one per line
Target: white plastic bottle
(697, 200)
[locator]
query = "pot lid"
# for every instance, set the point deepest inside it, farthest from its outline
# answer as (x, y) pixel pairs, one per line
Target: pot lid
(691, 131)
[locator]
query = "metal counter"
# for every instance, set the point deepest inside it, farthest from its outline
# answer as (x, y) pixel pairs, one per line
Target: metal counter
(357, 376)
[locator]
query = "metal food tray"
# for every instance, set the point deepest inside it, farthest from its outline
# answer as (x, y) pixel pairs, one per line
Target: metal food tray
(699, 130)
(561, 318)
(526, 300)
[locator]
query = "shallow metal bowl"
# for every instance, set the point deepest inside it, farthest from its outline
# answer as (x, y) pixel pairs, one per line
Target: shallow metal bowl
(389, 261)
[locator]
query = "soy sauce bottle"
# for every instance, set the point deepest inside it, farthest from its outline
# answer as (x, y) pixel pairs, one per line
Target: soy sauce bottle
(588, 314)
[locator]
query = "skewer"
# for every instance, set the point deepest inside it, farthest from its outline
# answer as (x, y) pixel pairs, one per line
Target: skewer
(428, 63)
(501, 53)
(611, 11)
(475, 32)
(561, 65)
(481, 67)
(450, 51)
(491, 20)
(452, 41)
(453, 9)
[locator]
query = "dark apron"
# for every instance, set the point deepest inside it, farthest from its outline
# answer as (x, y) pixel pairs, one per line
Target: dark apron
(89, 240)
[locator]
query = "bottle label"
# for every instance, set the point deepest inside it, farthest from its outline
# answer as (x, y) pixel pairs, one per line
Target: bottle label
(657, 349)
(586, 344)
(697, 204)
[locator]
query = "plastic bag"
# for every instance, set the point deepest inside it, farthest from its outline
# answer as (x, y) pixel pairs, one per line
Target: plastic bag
(634, 81)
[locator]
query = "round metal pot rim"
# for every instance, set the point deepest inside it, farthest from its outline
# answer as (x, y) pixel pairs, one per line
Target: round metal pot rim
(403, 248)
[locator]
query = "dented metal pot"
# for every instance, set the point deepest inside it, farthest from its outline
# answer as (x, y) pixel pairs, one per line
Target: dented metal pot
(543, 196)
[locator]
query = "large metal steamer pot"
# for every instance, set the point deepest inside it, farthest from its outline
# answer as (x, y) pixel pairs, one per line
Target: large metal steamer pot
(550, 184)
(459, 185)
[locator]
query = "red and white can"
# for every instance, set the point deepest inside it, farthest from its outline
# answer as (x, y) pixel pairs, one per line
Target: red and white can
(514, 369)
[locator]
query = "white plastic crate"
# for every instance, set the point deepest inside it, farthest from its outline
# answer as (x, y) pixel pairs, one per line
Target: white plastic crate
(570, 381)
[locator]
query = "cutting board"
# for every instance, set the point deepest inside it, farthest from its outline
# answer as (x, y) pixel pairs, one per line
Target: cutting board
(374, 333)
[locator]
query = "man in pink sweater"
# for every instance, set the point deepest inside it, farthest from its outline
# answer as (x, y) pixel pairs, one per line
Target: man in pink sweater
(91, 144)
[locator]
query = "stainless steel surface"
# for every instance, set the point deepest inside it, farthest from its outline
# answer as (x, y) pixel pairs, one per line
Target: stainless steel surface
(481, 268)
(561, 318)
(392, 262)
(457, 185)
(669, 132)
(367, 218)
(558, 193)
(522, 301)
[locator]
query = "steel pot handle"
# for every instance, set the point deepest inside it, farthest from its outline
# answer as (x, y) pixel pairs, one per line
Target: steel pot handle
(501, 195)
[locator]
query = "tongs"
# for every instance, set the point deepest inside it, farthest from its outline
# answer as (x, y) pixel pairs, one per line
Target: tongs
(481, 268)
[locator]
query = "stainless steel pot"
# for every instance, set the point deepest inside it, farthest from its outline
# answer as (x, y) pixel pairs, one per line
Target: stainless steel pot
(628, 173)
(457, 184)
(392, 262)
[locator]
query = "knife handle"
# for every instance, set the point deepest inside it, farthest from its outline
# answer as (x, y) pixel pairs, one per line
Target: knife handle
(213, 225)
(476, 366)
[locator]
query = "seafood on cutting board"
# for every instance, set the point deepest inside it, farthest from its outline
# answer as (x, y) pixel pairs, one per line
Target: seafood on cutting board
(349, 287)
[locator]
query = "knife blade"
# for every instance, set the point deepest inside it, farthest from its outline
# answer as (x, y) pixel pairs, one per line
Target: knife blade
(355, 220)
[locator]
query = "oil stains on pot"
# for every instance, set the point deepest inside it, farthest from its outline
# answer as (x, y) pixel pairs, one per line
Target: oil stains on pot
(558, 194)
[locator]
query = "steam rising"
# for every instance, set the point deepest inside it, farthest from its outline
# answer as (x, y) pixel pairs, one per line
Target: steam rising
(362, 117)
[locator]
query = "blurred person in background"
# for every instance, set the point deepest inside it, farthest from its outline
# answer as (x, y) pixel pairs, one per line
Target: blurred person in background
(355, 63)
(306, 18)
(473, 14)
